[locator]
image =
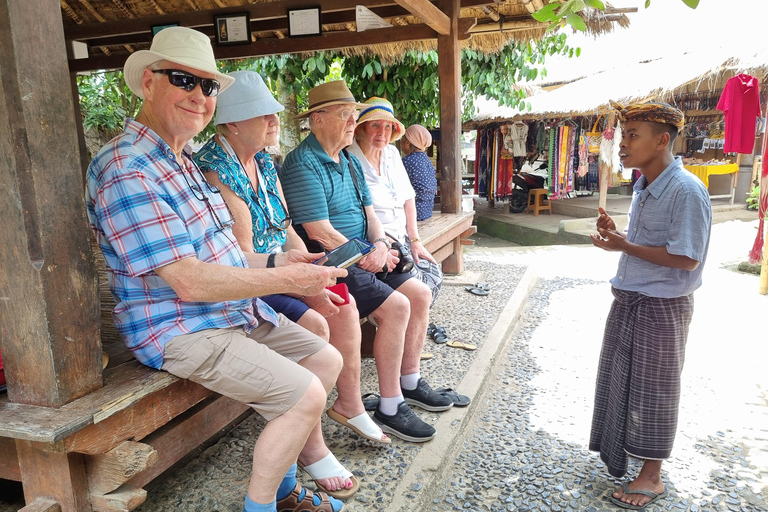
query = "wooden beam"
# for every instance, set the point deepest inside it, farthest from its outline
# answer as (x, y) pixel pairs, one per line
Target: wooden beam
(49, 310)
(124, 499)
(42, 505)
(429, 14)
(449, 72)
(260, 25)
(57, 476)
(185, 433)
(9, 461)
(108, 471)
(275, 46)
(195, 19)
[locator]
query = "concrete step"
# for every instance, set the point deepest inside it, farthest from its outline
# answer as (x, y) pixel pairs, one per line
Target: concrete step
(427, 471)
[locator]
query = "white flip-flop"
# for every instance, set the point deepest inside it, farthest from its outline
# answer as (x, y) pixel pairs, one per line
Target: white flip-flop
(329, 467)
(362, 425)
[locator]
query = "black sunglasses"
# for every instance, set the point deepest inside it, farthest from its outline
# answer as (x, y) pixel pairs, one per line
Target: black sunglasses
(188, 81)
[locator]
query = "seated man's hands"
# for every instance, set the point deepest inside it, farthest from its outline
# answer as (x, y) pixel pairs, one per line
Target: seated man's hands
(310, 280)
(296, 256)
(393, 258)
(326, 303)
(375, 261)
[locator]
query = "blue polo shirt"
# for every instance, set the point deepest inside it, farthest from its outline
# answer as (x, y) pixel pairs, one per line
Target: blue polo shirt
(673, 212)
(317, 188)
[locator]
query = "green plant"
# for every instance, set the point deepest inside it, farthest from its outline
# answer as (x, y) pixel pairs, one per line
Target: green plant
(753, 198)
(568, 12)
(105, 101)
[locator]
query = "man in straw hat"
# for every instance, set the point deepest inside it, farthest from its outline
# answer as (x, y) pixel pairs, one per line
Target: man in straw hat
(330, 203)
(183, 286)
(663, 253)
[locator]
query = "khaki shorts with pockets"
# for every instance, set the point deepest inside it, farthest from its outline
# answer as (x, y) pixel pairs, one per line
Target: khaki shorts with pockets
(260, 369)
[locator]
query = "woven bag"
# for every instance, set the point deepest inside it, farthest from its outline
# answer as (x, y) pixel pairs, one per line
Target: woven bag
(595, 137)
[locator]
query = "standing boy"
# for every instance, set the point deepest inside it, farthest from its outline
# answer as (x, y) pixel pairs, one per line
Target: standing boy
(663, 253)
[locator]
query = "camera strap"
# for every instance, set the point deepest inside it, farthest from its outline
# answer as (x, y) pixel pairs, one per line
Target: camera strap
(357, 191)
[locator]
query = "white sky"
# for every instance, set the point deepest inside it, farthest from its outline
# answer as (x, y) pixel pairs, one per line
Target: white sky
(666, 27)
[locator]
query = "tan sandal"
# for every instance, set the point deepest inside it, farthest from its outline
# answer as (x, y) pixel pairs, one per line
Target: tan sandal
(292, 503)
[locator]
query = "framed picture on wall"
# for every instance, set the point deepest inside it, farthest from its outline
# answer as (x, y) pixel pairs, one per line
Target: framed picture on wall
(304, 22)
(233, 28)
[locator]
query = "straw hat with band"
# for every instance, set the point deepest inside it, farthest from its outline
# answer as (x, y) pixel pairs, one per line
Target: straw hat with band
(249, 97)
(328, 94)
(418, 136)
(379, 109)
(180, 45)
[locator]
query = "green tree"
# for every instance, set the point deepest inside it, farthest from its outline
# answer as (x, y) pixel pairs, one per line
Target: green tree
(568, 13)
(412, 85)
(105, 102)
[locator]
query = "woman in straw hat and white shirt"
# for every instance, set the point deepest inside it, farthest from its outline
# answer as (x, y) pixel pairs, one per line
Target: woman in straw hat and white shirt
(235, 161)
(391, 191)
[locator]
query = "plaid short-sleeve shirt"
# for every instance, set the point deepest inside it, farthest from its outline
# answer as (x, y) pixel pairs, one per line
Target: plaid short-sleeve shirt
(147, 210)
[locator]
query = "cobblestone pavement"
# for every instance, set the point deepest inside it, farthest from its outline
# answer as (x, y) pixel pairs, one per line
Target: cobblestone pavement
(525, 449)
(521, 445)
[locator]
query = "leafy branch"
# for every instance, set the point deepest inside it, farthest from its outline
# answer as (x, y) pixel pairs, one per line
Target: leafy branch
(569, 13)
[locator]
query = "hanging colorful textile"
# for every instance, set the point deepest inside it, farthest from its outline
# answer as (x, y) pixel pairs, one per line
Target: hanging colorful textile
(740, 103)
(583, 160)
(756, 254)
(542, 141)
(572, 156)
(506, 162)
(481, 181)
(498, 142)
(550, 163)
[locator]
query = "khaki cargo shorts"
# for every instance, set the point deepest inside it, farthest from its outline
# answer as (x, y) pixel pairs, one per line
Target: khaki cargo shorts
(259, 369)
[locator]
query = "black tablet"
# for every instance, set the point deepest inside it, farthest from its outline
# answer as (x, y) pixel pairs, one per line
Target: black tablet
(346, 254)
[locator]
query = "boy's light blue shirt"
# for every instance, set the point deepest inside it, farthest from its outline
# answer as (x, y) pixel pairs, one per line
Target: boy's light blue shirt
(673, 212)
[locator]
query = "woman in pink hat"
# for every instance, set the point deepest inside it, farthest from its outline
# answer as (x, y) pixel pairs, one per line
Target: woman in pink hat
(420, 170)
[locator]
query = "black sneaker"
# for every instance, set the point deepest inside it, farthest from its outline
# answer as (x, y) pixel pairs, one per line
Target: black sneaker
(426, 398)
(405, 424)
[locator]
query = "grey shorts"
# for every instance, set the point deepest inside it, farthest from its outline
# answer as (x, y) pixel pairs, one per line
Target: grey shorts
(260, 369)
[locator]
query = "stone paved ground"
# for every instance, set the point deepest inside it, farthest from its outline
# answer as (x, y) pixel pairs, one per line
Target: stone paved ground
(525, 448)
(522, 446)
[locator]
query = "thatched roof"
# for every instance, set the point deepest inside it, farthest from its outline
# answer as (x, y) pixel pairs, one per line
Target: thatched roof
(498, 21)
(657, 80)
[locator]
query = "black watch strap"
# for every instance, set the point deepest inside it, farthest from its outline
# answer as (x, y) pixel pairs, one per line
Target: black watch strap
(271, 260)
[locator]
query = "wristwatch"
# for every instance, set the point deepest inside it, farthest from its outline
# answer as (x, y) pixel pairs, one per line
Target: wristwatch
(271, 261)
(386, 242)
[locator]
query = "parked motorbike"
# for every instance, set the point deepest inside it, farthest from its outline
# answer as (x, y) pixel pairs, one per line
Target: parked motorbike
(522, 182)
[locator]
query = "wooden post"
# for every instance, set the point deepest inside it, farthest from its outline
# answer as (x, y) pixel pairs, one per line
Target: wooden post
(449, 71)
(53, 475)
(49, 309)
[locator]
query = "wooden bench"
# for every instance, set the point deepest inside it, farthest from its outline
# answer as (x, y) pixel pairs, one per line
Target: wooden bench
(101, 449)
(443, 235)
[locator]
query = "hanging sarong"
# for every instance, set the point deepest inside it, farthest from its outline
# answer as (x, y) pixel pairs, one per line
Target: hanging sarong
(551, 163)
(638, 379)
(583, 160)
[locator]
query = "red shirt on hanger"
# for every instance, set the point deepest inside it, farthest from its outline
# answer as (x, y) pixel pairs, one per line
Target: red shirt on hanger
(740, 102)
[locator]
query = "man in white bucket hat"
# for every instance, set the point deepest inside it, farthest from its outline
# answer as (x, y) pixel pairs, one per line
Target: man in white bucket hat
(184, 288)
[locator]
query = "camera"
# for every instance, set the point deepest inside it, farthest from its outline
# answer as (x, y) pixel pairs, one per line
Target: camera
(406, 258)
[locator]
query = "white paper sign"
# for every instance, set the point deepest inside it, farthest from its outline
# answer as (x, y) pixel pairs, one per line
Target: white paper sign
(367, 19)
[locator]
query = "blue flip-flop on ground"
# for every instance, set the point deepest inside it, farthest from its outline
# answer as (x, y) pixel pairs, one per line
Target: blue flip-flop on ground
(625, 490)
